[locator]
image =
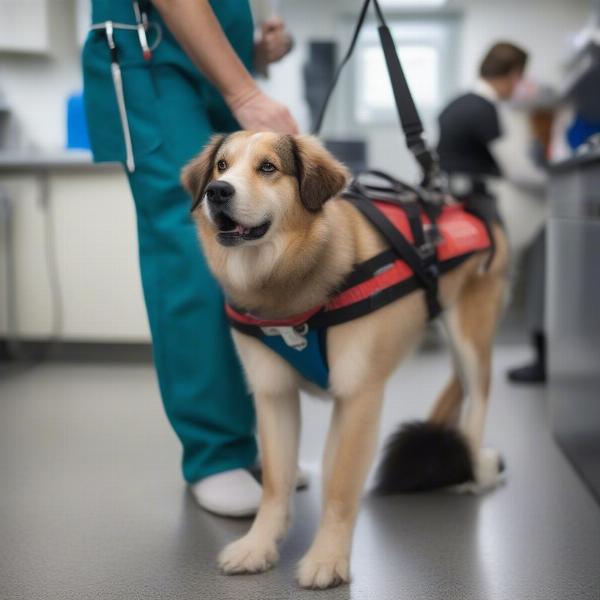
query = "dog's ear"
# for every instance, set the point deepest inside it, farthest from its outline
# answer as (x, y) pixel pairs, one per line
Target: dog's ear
(196, 175)
(320, 175)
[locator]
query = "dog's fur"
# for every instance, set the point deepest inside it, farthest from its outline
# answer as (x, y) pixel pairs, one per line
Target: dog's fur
(312, 243)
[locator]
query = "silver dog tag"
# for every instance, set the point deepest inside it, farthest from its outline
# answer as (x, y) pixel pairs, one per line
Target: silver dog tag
(291, 336)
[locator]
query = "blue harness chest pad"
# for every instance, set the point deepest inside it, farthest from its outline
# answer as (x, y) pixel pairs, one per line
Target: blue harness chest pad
(310, 361)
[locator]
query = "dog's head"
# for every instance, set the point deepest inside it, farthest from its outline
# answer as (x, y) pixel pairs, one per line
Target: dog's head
(248, 188)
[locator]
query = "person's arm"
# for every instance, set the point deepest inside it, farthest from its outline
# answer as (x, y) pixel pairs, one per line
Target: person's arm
(198, 31)
(511, 153)
(508, 145)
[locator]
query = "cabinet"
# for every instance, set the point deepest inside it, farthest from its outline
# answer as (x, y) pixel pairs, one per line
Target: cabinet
(573, 312)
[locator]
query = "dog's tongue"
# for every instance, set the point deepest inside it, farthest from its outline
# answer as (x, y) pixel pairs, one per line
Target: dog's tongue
(232, 227)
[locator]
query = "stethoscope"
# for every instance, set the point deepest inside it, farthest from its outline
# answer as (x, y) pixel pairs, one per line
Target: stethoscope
(142, 26)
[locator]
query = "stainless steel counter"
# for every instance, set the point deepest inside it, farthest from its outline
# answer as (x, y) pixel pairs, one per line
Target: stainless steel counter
(573, 312)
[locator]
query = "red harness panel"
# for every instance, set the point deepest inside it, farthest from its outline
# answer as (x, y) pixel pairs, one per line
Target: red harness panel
(292, 321)
(462, 234)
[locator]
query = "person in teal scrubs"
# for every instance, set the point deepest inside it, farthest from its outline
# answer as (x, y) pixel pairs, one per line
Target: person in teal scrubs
(154, 113)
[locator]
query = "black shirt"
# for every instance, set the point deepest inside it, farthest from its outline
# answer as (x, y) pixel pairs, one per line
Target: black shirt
(467, 126)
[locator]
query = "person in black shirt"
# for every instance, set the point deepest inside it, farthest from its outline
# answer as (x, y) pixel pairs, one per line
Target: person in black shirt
(470, 123)
(469, 127)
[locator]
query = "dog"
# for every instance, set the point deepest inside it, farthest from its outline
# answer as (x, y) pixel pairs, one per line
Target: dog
(280, 240)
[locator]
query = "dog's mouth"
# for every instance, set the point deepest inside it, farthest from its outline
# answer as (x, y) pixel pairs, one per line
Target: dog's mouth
(230, 232)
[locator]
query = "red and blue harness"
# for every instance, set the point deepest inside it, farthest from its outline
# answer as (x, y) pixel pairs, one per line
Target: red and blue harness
(426, 239)
(425, 242)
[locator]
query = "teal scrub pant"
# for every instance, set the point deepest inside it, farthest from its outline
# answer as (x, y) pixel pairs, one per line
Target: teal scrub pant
(172, 111)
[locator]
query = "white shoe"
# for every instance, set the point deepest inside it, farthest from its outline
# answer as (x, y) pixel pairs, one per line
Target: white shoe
(232, 493)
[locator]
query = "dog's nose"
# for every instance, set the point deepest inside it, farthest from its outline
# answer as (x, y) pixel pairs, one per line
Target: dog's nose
(219, 192)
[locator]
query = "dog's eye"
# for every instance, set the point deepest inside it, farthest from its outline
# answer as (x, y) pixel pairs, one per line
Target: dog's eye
(267, 167)
(221, 165)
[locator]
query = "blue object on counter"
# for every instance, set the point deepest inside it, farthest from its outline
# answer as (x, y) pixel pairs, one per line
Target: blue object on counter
(77, 134)
(581, 130)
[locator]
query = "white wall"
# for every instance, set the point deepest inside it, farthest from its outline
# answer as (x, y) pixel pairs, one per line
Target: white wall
(540, 26)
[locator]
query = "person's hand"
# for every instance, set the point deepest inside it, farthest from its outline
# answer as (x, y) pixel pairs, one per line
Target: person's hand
(273, 45)
(256, 111)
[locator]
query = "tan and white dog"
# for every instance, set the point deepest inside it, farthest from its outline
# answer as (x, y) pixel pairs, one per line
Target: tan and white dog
(280, 242)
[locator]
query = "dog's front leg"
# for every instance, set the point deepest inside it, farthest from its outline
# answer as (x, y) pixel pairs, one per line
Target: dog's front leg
(350, 447)
(279, 427)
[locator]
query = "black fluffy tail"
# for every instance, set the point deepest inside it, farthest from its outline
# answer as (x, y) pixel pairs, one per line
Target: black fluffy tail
(422, 456)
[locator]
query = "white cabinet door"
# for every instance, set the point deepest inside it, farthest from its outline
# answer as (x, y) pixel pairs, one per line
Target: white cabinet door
(24, 26)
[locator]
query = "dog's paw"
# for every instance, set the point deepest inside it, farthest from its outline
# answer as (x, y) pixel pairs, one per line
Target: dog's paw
(489, 473)
(316, 571)
(489, 468)
(248, 555)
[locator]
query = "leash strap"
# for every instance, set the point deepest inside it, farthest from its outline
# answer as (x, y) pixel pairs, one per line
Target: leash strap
(405, 105)
(338, 72)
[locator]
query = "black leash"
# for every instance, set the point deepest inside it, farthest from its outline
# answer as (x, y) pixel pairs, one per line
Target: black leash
(338, 72)
(405, 106)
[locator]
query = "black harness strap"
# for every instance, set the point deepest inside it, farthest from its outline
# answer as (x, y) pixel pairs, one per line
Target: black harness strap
(425, 244)
(425, 271)
(324, 318)
(359, 24)
(368, 269)
(378, 300)
(413, 213)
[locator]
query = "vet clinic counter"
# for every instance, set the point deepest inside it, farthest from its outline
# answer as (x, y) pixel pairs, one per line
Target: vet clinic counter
(573, 311)
(62, 216)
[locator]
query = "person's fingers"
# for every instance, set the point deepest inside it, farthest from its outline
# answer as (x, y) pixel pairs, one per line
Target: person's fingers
(274, 38)
(275, 30)
(272, 24)
(261, 113)
(293, 127)
(288, 124)
(281, 121)
(274, 52)
(277, 48)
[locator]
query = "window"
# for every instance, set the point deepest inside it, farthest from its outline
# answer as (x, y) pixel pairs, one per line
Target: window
(424, 49)
(375, 100)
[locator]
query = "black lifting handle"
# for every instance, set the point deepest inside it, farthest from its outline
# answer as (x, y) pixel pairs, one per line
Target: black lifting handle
(405, 105)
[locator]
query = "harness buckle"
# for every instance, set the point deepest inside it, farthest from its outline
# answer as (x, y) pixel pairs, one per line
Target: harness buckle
(432, 239)
(294, 337)
(426, 251)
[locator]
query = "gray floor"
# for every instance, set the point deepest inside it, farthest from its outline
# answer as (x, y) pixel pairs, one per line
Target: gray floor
(92, 506)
